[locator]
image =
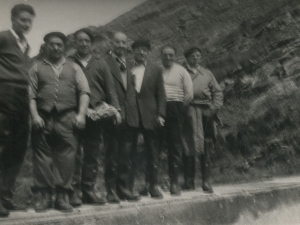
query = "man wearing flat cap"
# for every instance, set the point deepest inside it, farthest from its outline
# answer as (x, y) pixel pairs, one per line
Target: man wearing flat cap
(59, 97)
(103, 90)
(145, 114)
(199, 126)
(14, 104)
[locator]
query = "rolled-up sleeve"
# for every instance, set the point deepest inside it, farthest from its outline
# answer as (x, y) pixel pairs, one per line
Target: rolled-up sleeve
(33, 82)
(81, 81)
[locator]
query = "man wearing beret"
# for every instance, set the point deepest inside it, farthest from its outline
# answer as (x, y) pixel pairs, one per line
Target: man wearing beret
(199, 127)
(59, 97)
(145, 113)
(14, 105)
(103, 90)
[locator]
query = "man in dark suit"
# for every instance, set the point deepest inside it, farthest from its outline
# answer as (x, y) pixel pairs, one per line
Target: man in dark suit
(14, 102)
(114, 136)
(102, 90)
(145, 112)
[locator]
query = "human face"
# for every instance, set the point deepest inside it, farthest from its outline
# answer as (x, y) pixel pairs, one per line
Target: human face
(22, 23)
(140, 54)
(194, 59)
(168, 57)
(83, 44)
(55, 47)
(120, 44)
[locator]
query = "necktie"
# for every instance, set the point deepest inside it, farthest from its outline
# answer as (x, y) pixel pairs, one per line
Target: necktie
(122, 64)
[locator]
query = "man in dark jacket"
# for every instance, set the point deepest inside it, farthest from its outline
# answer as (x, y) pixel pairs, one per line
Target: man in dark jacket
(102, 90)
(14, 104)
(145, 112)
(59, 97)
(114, 136)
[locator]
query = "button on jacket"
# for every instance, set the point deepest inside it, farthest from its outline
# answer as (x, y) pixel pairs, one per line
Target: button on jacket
(53, 89)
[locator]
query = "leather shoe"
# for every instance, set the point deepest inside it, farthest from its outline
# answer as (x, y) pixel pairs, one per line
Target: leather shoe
(128, 196)
(9, 204)
(61, 203)
(144, 192)
(89, 197)
(155, 193)
(74, 199)
(3, 211)
(44, 203)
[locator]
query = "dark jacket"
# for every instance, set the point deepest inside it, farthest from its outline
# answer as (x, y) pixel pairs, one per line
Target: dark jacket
(150, 102)
(119, 85)
(14, 67)
(100, 81)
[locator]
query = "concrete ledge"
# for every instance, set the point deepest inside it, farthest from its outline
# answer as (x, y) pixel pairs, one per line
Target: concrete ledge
(226, 206)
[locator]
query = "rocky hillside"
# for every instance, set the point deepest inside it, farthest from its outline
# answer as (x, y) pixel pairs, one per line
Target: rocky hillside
(253, 48)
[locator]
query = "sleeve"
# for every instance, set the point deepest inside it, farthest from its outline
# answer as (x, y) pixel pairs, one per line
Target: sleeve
(187, 86)
(111, 93)
(81, 81)
(216, 93)
(161, 95)
(33, 82)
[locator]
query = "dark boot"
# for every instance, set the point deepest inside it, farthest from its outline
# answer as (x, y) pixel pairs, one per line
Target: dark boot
(112, 196)
(74, 199)
(174, 175)
(89, 196)
(124, 183)
(145, 190)
(189, 172)
(205, 168)
(153, 187)
(3, 211)
(44, 202)
(8, 203)
(61, 203)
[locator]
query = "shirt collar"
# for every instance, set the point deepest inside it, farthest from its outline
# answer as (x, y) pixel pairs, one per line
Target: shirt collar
(137, 64)
(61, 63)
(17, 36)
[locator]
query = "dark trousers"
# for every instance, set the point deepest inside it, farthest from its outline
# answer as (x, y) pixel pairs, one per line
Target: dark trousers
(54, 151)
(173, 135)
(128, 150)
(14, 133)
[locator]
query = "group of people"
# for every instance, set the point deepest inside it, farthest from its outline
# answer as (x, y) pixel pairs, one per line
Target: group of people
(58, 91)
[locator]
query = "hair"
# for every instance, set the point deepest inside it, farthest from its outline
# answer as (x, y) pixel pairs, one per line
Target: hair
(87, 32)
(17, 9)
(141, 43)
(168, 46)
(191, 50)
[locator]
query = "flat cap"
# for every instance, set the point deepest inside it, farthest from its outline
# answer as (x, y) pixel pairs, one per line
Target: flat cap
(141, 43)
(56, 34)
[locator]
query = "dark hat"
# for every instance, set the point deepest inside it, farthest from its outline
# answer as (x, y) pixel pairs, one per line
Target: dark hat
(190, 51)
(141, 43)
(87, 32)
(56, 34)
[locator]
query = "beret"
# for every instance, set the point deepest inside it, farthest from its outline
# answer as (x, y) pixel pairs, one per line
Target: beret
(56, 34)
(190, 51)
(87, 32)
(141, 43)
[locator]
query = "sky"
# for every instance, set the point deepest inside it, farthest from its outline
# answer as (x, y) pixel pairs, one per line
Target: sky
(65, 16)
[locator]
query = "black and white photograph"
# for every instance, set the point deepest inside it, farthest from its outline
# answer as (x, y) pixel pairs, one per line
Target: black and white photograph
(149, 112)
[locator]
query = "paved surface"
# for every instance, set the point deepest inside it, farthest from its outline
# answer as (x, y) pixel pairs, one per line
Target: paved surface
(148, 210)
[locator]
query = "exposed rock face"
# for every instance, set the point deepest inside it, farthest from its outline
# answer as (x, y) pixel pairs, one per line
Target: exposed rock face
(252, 47)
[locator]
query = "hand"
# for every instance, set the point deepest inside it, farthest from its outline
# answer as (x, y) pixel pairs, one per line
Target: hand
(38, 123)
(161, 121)
(118, 119)
(79, 122)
